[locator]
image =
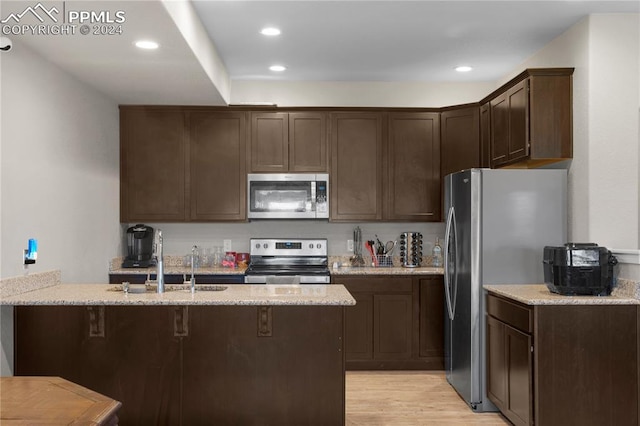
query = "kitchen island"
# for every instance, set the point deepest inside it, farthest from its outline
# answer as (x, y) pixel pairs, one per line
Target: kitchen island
(242, 355)
(570, 360)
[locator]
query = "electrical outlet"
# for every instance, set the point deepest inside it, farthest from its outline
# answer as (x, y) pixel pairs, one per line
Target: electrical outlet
(349, 245)
(226, 245)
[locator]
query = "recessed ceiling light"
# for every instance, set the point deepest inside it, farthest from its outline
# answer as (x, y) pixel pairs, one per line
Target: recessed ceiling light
(277, 68)
(463, 68)
(270, 31)
(147, 44)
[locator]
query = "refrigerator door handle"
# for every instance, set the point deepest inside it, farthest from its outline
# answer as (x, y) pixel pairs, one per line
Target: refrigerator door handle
(447, 243)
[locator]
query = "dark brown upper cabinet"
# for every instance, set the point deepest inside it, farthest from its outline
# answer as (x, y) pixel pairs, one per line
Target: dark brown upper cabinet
(485, 135)
(308, 142)
(217, 145)
(288, 142)
(531, 119)
(413, 167)
(356, 166)
(385, 166)
(182, 164)
(153, 165)
(509, 125)
(460, 142)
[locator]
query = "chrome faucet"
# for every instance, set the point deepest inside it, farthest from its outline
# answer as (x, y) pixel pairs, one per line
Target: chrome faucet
(160, 263)
(194, 249)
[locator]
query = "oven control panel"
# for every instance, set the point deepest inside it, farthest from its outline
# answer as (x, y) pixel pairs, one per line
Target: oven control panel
(288, 247)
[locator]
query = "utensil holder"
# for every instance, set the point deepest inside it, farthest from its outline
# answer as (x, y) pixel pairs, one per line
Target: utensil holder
(411, 249)
(382, 261)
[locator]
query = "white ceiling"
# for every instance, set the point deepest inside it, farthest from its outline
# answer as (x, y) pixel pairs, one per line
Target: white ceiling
(326, 40)
(388, 40)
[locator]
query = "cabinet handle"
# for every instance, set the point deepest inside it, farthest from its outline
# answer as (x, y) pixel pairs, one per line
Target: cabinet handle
(181, 321)
(96, 321)
(265, 321)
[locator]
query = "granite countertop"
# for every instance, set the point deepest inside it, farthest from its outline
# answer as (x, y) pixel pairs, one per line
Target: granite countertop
(179, 270)
(348, 270)
(539, 294)
(394, 270)
(173, 265)
(234, 294)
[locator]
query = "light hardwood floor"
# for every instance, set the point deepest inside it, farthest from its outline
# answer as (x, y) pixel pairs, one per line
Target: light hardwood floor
(403, 398)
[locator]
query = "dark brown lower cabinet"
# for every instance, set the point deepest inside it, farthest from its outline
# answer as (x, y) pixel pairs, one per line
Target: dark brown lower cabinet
(178, 365)
(397, 323)
(563, 364)
(127, 353)
(294, 375)
(509, 373)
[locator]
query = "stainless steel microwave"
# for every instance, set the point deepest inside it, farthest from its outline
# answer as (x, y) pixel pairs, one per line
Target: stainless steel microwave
(288, 196)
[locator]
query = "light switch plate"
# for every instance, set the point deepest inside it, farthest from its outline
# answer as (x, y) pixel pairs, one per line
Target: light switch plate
(226, 244)
(349, 245)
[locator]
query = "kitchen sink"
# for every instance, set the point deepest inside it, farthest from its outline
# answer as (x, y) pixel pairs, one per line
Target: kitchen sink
(152, 288)
(199, 287)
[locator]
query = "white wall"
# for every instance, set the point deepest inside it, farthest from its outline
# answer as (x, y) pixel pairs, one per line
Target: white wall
(613, 127)
(179, 237)
(362, 94)
(59, 175)
(60, 170)
(604, 205)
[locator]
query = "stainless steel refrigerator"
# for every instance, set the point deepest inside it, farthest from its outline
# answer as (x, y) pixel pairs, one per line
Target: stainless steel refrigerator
(498, 222)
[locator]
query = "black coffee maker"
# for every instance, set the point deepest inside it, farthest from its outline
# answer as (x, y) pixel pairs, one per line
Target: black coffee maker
(139, 247)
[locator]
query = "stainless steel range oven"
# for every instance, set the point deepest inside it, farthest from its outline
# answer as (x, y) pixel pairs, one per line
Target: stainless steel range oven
(288, 261)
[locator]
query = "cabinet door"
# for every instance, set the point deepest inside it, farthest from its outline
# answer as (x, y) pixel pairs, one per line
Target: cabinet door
(496, 363)
(153, 164)
(413, 160)
(460, 144)
(356, 166)
(499, 130)
(485, 135)
(432, 319)
(308, 142)
(358, 328)
(518, 98)
(510, 125)
(519, 376)
(269, 142)
(392, 326)
(510, 371)
(217, 142)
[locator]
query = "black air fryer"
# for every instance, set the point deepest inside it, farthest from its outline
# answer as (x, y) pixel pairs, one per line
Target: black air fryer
(139, 247)
(579, 269)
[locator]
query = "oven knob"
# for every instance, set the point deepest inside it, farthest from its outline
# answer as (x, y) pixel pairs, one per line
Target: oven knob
(265, 245)
(257, 245)
(311, 245)
(318, 246)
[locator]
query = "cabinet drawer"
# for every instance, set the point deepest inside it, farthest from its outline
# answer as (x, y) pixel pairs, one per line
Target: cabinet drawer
(514, 314)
